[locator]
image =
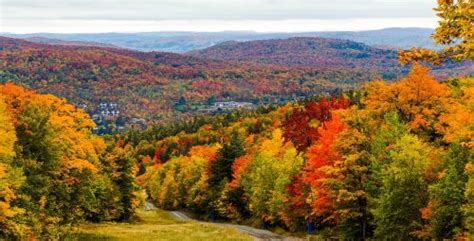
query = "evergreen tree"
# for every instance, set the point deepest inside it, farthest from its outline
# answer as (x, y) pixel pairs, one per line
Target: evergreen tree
(222, 167)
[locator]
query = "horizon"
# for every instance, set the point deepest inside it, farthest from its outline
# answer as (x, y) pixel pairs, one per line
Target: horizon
(214, 32)
(262, 16)
(206, 26)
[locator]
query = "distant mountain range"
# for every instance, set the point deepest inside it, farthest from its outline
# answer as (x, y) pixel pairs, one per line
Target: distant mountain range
(180, 42)
(51, 41)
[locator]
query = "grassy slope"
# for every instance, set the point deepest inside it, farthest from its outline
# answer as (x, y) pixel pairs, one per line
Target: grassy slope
(156, 225)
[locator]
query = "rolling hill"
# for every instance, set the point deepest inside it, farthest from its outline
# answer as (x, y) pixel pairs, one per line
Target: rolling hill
(147, 84)
(302, 51)
(51, 41)
(121, 86)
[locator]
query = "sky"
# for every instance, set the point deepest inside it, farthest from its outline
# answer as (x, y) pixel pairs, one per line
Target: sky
(95, 16)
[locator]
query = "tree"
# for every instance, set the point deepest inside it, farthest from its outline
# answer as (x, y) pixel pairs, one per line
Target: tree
(353, 189)
(447, 195)
(124, 178)
(59, 157)
(418, 99)
(10, 178)
(404, 190)
(468, 207)
(268, 177)
(457, 123)
(455, 30)
(321, 159)
(221, 167)
(233, 202)
(301, 126)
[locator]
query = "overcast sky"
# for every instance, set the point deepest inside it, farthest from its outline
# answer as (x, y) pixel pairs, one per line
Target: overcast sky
(27, 16)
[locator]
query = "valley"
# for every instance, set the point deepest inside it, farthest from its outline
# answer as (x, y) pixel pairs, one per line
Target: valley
(153, 87)
(196, 134)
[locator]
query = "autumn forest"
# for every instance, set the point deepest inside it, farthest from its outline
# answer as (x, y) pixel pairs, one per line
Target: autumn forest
(303, 137)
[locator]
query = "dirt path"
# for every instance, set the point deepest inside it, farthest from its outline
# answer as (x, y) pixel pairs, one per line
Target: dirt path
(180, 215)
(255, 233)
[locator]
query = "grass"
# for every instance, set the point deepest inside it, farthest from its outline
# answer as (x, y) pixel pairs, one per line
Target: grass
(156, 225)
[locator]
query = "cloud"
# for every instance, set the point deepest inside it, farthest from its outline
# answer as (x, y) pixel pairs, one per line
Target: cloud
(294, 25)
(213, 9)
(23, 12)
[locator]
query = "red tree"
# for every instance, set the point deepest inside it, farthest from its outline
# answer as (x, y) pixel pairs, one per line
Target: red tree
(301, 126)
(321, 157)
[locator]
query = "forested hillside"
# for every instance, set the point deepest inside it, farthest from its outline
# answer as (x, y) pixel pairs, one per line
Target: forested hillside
(120, 87)
(322, 52)
(147, 85)
(393, 162)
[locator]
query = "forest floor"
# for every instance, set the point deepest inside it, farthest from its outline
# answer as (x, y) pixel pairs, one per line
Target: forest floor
(156, 224)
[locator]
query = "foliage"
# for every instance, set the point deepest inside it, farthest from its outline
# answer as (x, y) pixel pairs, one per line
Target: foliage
(301, 126)
(454, 30)
(380, 168)
(150, 87)
(50, 168)
(221, 167)
(268, 176)
(404, 190)
(10, 178)
(418, 99)
(390, 161)
(447, 195)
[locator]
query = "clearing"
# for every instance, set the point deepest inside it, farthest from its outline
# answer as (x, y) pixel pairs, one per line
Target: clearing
(157, 225)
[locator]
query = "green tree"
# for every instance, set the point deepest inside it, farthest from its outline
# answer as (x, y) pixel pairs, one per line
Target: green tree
(468, 208)
(352, 191)
(59, 157)
(221, 168)
(404, 191)
(124, 178)
(267, 181)
(447, 195)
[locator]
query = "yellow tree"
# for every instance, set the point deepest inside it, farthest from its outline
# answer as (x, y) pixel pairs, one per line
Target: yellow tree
(418, 99)
(457, 124)
(268, 178)
(10, 178)
(59, 157)
(456, 28)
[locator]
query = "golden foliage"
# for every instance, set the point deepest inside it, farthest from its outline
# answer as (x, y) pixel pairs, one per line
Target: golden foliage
(456, 30)
(419, 99)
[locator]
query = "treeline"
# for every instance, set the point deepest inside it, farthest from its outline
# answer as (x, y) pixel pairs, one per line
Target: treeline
(54, 172)
(394, 161)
